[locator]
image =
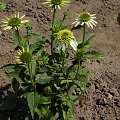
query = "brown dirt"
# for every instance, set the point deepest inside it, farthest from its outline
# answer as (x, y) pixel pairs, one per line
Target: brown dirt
(102, 98)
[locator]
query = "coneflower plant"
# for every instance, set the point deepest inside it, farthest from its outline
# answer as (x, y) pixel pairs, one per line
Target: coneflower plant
(46, 84)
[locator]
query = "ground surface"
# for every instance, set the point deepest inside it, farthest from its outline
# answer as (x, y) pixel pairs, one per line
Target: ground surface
(102, 98)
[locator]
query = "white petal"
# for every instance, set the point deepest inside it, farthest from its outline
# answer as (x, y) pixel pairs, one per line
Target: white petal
(22, 17)
(18, 15)
(59, 47)
(7, 28)
(74, 44)
(93, 15)
(93, 21)
(59, 7)
(24, 21)
(74, 22)
(63, 48)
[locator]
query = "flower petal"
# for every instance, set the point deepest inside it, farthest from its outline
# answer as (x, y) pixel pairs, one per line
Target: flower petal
(74, 44)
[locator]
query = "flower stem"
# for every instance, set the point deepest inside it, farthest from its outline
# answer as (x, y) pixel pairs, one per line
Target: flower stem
(18, 37)
(82, 51)
(53, 20)
(27, 36)
(83, 39)
(31, 76)
(77, 69)
(32, 83)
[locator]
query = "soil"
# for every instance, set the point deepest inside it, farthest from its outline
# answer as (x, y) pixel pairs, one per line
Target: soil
(101, 100)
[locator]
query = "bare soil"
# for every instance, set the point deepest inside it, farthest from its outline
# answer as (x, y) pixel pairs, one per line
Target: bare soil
(101, 101)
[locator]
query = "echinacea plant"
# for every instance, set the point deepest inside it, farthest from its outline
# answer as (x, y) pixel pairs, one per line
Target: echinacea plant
(46, 85)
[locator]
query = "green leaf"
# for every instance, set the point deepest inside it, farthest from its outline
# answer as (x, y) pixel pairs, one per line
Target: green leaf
(9, 103)
(33, 100)
(13, 71)
(89, 37)
(16, 76)
(43, 111)
(82, 78)
(95, 55)
(73, 97)
(17, 38)
(2, 5)
(25, 39)
(37, 37)
(84, 71)
(44, 100)
(9, 68)
(66, 81)
(66, 15)
(32, 66)
(81, 82)
(55, 117)
(38, 44)
(43, 78)
(68, 113)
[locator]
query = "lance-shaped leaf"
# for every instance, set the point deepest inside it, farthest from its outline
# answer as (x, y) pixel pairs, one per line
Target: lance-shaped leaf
(89, 37)
(43, 78)
(95, 55)
(33, 100)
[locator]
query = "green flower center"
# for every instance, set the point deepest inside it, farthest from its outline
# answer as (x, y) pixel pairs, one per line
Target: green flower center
(84, 17)
(25, 57)
(65, 36)
(56, 2)
(14, 22)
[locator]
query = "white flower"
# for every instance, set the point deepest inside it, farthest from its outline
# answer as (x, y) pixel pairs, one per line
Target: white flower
(87, 18)
(24, 56)
(57, 3)
(65, 38)
(14, 22)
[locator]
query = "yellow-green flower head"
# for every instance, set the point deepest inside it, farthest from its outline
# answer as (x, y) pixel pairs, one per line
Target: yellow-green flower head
(85, 18)
(24, 56)
(14, 22)
(66, 37)
(57, 3)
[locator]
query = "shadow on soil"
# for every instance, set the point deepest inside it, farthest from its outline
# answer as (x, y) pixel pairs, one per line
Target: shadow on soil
(4, 91)
(118, 19)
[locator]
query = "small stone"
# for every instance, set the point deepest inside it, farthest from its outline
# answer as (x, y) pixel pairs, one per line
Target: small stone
(117, 101)
(102, 101)
(81, 118)
(110, 96)
(93, 87)
(114, 92)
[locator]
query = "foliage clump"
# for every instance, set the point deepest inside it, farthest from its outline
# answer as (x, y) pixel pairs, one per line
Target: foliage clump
(45, 85)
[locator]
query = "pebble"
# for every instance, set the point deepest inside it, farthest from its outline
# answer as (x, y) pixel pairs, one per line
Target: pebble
(114, 92)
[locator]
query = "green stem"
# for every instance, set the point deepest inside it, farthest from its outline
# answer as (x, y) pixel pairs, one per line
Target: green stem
(79, 61)
(53, 20)
(77, 69)
(83, 39)
(28, 35)
(82, 51)
(32, 82)
(31, 76)
(19, 38)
